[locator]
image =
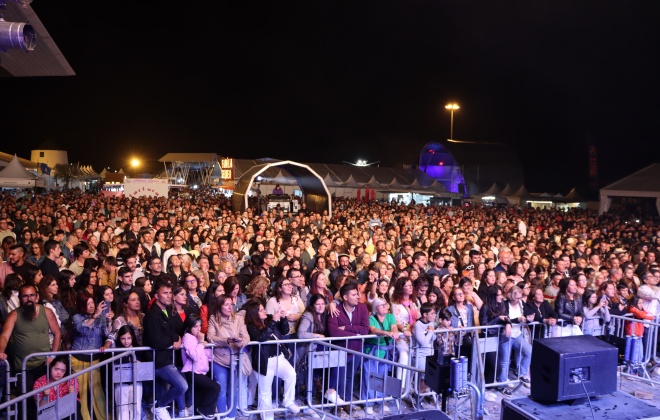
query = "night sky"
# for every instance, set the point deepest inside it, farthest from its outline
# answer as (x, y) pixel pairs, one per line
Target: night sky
(319, 81)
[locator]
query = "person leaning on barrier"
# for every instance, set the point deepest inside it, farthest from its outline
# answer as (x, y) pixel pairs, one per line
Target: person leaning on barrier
(352, 321)
(519, 341)
(27, 327)
(383, 324)
(90, 327)
(59, 368)
(269, 360)
(495, 313)
(543, 312)
(160, 335)
(568, 306)
(227, 330)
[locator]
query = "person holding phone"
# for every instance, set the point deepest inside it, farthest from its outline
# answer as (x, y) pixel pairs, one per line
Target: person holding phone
(227, 330)
(90, 328)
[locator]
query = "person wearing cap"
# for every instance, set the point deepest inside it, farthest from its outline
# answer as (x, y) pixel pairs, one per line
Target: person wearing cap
(383, 324)
(343, 269)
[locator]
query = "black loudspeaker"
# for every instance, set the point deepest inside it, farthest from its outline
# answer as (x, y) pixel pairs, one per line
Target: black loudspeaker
(563, 368)
(436, 375)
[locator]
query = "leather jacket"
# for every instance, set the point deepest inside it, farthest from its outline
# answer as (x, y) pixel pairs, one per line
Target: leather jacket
(568, 309)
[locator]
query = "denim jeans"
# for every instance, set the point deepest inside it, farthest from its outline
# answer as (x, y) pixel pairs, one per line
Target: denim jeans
(221, 376)
(178, 386)
(342, 377)
(523, 354)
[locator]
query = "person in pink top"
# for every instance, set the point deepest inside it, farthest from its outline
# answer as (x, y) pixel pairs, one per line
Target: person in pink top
(196, 359)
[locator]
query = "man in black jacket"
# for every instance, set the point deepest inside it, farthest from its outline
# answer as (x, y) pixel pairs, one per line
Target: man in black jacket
(160, 335)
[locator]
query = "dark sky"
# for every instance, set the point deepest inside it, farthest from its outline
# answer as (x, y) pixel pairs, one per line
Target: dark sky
(319, 81)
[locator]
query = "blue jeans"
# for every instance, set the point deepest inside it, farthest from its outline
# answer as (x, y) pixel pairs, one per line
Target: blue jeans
(221, 376)
(178, 386)
(523, 353)
(344, 375)
(371, 366)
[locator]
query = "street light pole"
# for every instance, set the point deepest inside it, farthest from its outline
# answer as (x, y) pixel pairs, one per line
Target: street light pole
(452, 108)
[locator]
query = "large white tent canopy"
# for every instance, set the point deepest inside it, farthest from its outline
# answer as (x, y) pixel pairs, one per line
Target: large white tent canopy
(14, 175)
(643, 183)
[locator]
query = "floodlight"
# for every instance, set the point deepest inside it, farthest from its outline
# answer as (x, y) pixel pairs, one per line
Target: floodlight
(17, 35)
(23, 3)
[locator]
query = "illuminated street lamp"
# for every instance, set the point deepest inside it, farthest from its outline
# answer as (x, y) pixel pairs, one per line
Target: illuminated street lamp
(452, 108)
(135, 164)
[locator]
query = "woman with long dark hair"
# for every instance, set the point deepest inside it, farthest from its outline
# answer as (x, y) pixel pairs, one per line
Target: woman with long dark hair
(494, 312)
(568, 306)
(269, 361)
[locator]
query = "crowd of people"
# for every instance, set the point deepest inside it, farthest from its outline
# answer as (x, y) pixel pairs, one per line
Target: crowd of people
(86, 272)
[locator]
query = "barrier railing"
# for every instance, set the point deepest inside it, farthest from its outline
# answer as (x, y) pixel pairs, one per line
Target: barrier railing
(327, 363)
(305, 359)
(636, 356)
(119, 374)
(69, 409)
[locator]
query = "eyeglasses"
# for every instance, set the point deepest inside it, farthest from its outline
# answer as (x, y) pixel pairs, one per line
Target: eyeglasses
(30, 296)
(286, 284)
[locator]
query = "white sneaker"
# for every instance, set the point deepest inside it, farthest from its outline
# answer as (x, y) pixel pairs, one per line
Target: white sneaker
(370, 410)
(334, 398)
(311, 413)
(161, 413)
(386, 409)
(294, 408)
(490, 396)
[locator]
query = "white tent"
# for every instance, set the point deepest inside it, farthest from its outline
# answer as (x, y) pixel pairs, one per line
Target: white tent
(14, 175)
(643, 183)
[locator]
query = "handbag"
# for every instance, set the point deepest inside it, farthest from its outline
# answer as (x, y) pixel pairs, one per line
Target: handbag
(282, 348)
(246, 364)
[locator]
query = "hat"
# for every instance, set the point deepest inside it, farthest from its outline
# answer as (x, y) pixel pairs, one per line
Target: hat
(204, 245)
(468, 267)
(343, 255)
(376, 303)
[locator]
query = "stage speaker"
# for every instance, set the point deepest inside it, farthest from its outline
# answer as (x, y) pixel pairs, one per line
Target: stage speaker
(563, 368)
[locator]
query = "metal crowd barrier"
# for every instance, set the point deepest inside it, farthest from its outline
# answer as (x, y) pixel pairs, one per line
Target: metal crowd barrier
(641, 365)
(312, 359)
(115, 374)
(308, 358)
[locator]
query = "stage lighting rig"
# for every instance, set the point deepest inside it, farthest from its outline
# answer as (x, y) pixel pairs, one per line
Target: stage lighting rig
(16, 35)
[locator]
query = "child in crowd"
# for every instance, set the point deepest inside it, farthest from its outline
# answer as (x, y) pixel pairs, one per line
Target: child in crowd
(59, 368)
(446, 342)
(424, 336)
(196, 358)
(124, 391)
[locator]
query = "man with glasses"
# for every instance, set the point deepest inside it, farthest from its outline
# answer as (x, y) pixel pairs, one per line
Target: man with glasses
(297, 280)
(269, 265)
(27, 327)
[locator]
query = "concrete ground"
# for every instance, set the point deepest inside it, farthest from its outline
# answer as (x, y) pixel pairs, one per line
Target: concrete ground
(631, 386)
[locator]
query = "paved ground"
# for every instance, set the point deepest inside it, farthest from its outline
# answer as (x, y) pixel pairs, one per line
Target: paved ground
(492, 408)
